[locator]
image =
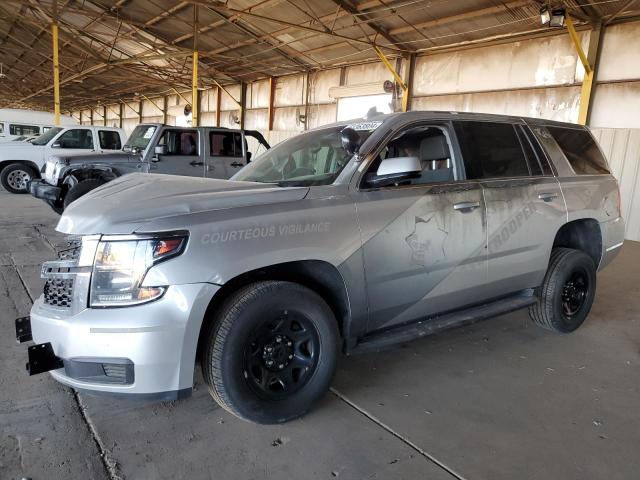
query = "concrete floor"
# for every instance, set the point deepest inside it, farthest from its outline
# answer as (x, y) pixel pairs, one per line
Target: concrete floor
(502, 399)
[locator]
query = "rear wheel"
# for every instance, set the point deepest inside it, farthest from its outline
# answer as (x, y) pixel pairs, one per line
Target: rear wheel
(567, 292)
(82, 188)
(15, 177)
(271, 352)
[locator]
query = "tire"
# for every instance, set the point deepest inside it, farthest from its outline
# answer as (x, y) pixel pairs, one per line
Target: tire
(82, 188)
(567, 292)
(14, 177)
(258, 377)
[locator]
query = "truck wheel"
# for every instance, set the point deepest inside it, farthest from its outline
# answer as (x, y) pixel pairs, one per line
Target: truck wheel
(271, 352)
(567, 292)
(82, 188)
(15, 176)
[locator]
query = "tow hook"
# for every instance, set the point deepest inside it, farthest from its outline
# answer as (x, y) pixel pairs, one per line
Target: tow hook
(23, 329)
(42, 359)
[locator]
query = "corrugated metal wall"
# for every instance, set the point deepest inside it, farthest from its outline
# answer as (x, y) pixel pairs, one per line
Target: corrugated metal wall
(622, 148)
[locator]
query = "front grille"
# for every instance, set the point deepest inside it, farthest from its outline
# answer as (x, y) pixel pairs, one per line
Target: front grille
(58, 292)
(71, 251)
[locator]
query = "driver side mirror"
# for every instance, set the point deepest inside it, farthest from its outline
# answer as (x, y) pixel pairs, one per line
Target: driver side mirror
(393, 171)
(160, 150)
(56, 145)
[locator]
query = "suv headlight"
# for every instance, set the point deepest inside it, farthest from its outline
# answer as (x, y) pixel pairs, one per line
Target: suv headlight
(121, 265)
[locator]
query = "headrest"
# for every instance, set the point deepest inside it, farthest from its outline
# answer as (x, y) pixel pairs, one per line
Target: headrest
(434, 148)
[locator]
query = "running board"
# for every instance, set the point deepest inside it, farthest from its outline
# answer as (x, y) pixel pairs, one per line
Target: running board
(411, 331)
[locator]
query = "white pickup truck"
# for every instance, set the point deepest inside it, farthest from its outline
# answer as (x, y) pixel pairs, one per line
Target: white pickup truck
(22, 162)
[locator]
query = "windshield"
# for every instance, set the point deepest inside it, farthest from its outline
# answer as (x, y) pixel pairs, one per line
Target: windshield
(48, 135)
(313, 158)
(140, 137)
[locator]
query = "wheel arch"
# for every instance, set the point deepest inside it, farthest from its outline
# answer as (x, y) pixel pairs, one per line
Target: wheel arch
(29, 163)
(583, 234)
(79, 174)
(320, 276)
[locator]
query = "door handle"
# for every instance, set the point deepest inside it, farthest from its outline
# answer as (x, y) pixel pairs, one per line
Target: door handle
(237, 164)
(547, 197)
(195, 164)
(466, 207)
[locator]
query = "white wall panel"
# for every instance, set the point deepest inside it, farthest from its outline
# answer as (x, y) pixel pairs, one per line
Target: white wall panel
(616, 105)
(620, 54)
(225, 118)
(258, 94)
(152, 108)
(128, 124)
(622, 148)
(208, 100)
(130, 110)
(321, 82)
(86, 117)
(367, 73)
(529, 63)
(285, 118)
(256, 119)
(556, 103)
(207, 119)
(227, 103)
(321, 115)
(290, 90)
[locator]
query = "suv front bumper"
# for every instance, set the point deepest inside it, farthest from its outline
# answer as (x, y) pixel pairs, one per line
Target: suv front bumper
(42, 190)
(144, 351)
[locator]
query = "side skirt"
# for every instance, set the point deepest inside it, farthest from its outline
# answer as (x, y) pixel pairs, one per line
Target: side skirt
(404, 333)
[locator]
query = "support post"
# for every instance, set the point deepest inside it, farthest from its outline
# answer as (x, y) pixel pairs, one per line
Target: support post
(194, 74)
(395, 74)
(272, 95)
(165, 110)
(56, 66)
(306, 100)
(218, 105)
(104, 117)
(140, 111)
(588, 61)
(408, 75)
(121, 114)
(243, 103)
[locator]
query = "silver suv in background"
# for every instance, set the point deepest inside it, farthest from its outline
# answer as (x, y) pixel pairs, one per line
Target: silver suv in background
(349, 237)
(209, 152)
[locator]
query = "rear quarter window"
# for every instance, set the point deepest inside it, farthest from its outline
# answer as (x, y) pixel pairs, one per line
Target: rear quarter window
(581, 150)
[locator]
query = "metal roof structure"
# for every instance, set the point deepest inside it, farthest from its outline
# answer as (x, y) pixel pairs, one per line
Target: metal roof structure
(110, 50)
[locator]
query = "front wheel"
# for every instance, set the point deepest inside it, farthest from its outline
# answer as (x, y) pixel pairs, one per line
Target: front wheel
(82, 188)
(567, 292)
(16, 176)
(271, 352)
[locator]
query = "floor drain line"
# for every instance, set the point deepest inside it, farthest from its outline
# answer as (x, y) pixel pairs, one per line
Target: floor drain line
(404, 440)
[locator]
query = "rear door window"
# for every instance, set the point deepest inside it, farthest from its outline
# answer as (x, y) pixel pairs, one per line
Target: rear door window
(581, 150)
(225, 144)
(23, 129)
(491, 150)
(109, 140)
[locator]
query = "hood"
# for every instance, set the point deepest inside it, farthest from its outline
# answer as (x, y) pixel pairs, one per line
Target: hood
(15, 147)
(123, 205)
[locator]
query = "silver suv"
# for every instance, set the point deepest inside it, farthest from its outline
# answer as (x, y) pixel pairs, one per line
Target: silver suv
(346, 238)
